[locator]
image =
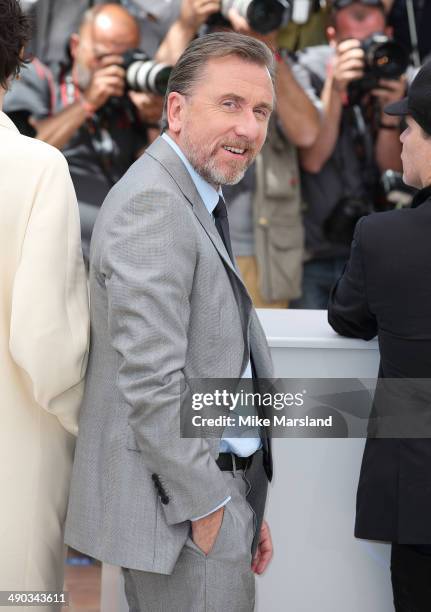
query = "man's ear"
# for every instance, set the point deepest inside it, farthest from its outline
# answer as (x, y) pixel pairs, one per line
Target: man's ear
(331, 35)
(175, 111)
(73, 45)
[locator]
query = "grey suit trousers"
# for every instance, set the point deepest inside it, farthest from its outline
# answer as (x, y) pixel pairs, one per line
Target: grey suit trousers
(221, 581)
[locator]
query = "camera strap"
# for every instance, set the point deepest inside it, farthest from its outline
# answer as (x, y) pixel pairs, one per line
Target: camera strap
(413, 31)
(99, 137)
(68, 92)
(364, 137)
(362, 140)
(364, 134)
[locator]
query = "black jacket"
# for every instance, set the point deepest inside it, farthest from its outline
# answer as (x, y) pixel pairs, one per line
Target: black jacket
(386, 290)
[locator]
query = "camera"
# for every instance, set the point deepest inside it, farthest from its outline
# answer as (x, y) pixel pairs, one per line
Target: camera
(263, 16)
(391, 192)
(339, 226)
(384, 59)
(397, 194)
(144, 74)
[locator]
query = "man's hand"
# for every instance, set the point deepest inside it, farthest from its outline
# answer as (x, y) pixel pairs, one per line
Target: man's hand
(149, 106)
(348, 64)
(240, 25)
(195, 12)
(205, 530)
(388, 147)
(107, 80)
(390, 91)
(264, 550)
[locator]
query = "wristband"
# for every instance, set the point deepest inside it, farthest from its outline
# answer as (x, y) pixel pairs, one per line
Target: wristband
(386, 126)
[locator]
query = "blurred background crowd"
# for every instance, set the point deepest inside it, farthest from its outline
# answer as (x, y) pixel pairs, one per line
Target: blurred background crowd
(94, 88)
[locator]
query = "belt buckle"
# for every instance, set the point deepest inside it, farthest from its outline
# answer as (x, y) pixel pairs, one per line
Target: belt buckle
(233, 456)
(246, 460)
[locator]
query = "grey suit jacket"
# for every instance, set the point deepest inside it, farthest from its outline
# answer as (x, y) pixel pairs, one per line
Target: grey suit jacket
(167, 305)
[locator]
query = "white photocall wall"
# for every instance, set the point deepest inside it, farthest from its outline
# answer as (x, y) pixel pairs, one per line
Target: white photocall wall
(318, 565)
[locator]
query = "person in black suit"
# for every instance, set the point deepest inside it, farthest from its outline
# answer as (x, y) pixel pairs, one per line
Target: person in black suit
(385, 290)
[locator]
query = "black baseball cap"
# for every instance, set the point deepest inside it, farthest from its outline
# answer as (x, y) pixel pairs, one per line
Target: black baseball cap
(340, 4)
(417, 103)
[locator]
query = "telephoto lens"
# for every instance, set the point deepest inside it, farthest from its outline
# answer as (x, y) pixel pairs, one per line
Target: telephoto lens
(263, 16)
(144, 74)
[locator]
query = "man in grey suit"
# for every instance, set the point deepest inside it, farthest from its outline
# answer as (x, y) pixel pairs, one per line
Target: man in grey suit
(183, 517)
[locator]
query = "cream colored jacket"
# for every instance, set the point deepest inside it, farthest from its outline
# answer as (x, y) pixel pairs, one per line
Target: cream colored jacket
(43, 349)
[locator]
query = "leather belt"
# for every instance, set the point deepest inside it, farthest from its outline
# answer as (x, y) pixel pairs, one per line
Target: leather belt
(226, 461)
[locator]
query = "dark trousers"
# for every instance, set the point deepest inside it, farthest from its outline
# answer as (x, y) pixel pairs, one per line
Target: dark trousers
(411, 578)
(318, 280)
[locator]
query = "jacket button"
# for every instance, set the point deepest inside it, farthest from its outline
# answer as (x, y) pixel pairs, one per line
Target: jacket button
(155, 477)
(164, 500)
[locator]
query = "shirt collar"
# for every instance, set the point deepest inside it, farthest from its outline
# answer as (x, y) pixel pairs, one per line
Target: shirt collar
(209, 195)
(421, 196)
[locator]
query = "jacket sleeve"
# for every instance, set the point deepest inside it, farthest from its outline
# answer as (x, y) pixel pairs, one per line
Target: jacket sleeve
(49, 320)
(349, 313)
(148, 265)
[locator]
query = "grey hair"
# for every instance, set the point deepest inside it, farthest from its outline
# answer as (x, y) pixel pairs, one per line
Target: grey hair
(190, 66)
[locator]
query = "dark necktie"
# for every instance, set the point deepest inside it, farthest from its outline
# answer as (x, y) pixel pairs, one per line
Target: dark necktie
(222, 225)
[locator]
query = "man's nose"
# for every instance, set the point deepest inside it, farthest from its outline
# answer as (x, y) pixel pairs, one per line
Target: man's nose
(247, 125)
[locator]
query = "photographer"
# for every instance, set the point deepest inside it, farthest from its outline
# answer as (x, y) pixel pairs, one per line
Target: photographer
(356, 144)
(265, 207)
(55, 20)
(100, 127)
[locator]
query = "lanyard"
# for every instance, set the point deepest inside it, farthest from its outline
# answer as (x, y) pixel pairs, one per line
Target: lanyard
(68, 91)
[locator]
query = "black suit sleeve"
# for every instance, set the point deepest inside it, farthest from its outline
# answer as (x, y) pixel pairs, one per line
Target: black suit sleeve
(348, 309)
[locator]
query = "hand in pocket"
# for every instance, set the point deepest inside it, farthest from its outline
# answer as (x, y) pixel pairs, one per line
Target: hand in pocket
(206, 530)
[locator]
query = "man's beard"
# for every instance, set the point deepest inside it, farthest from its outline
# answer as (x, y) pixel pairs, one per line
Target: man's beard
(208, 169)
(82, 75)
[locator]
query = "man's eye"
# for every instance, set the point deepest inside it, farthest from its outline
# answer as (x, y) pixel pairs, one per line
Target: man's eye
(261, 113)
(229, 104)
